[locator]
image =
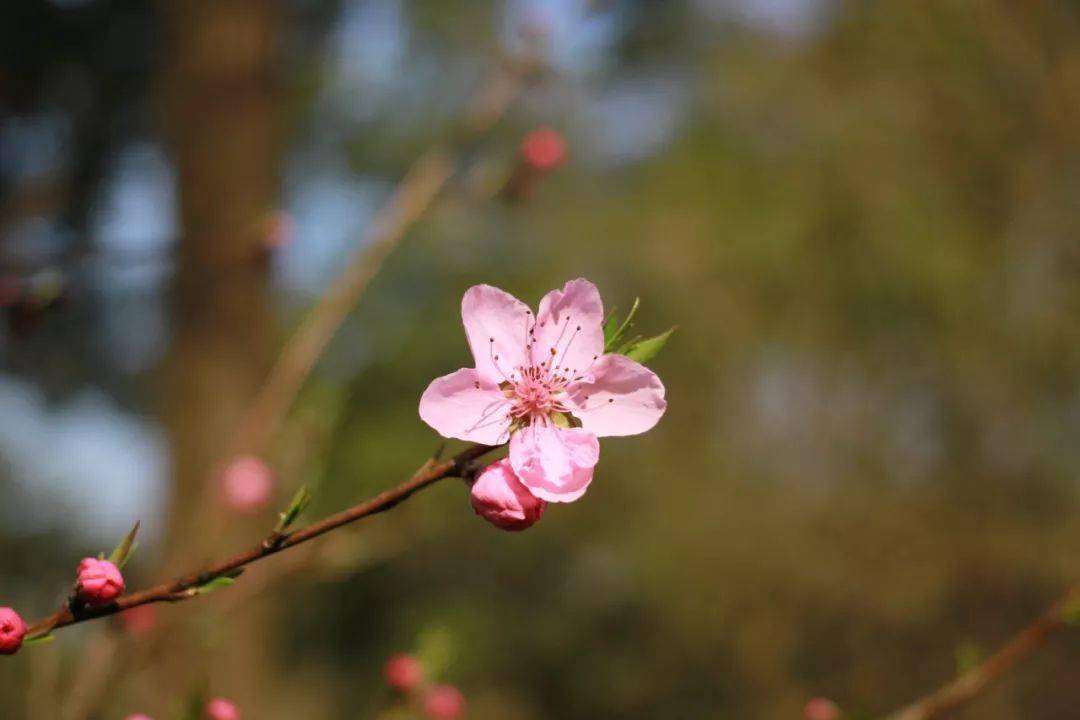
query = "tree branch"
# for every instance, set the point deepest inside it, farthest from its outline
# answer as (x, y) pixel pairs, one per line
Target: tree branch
(184, 587)
(973, 683)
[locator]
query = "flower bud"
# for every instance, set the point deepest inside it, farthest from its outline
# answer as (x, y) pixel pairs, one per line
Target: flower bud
(444, 702)
(501, 499)
(247, 484)
(820, 708)
(221, 709)
(404, 673)
(12, 631)
(138, 716)
(99, 581)
(543, 149)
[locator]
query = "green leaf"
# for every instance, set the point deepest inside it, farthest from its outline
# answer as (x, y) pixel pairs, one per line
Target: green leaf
(1070, 613)
(645, 350)
(123, 552)
(40, 639)
(216, 584)
(299, 503)
(611, 335)
(968, 656)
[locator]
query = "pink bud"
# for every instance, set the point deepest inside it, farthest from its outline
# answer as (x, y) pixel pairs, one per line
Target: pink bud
(99, 581)
(404, 673)
(221, 709)
(544, 149)
(139, 619)
(12, 631)
(444, 702)
(820, 708)
(501, 499)
(138, 716)
(247, 484)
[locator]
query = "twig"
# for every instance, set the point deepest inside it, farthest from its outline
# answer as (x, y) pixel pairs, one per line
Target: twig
(973, 683)
(184, 587)
(414, 194)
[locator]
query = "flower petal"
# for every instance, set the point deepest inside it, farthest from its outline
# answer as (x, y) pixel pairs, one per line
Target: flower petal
(623, 398)
(569, 330)
(465, 406)
(555, 464)
(497, 326)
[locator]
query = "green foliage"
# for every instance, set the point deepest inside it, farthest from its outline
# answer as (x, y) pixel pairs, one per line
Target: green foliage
(300, 502)
(127, 547)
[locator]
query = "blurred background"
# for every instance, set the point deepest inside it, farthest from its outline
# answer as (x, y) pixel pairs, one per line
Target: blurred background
(863, 216)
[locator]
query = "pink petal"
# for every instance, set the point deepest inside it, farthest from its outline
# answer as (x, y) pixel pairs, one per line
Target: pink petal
(570, 322)
(465, 406)
(623, 398)
(555, 464)
(497, 326)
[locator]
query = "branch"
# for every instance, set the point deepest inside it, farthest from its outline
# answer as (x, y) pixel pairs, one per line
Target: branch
(421, 184)
(973, 683)
(184, 587)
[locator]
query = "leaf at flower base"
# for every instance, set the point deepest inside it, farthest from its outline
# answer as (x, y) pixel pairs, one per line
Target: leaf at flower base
(645, 350)
(40, 639)
(565, 420)
(299, 503)
(613, 331)
(123, 552)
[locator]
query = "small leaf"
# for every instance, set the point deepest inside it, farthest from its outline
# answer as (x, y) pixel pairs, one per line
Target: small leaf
(968, 656)
(1070, 613)
(216, 584)
(627, 323)
(645, 350)
(40, 639)
(299, 503)
(126, 548)
(611, 325)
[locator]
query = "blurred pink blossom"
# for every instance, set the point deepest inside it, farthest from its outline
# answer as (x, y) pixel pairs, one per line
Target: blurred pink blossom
(221, 709)
(138, 716)
(820, 708)
(12, 631)
(444, 702)
(500, 498)
(280, 230)
(139, 619)
(545, 385)
(247, 484)
(99, 581)
(404, 673)
(544, 149)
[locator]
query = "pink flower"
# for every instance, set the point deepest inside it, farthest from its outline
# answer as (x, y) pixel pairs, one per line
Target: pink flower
(247, 484)
(820, 708)
(545, 384)
(12, 631)
(500, 498)
(99, 581)
(221, 709)
(444, 702)
(543, 149)
(139, 619)
(404, 673)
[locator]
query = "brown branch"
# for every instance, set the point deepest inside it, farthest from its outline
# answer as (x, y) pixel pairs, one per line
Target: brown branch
(973, 683)
(184, 587)
(424, 180)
